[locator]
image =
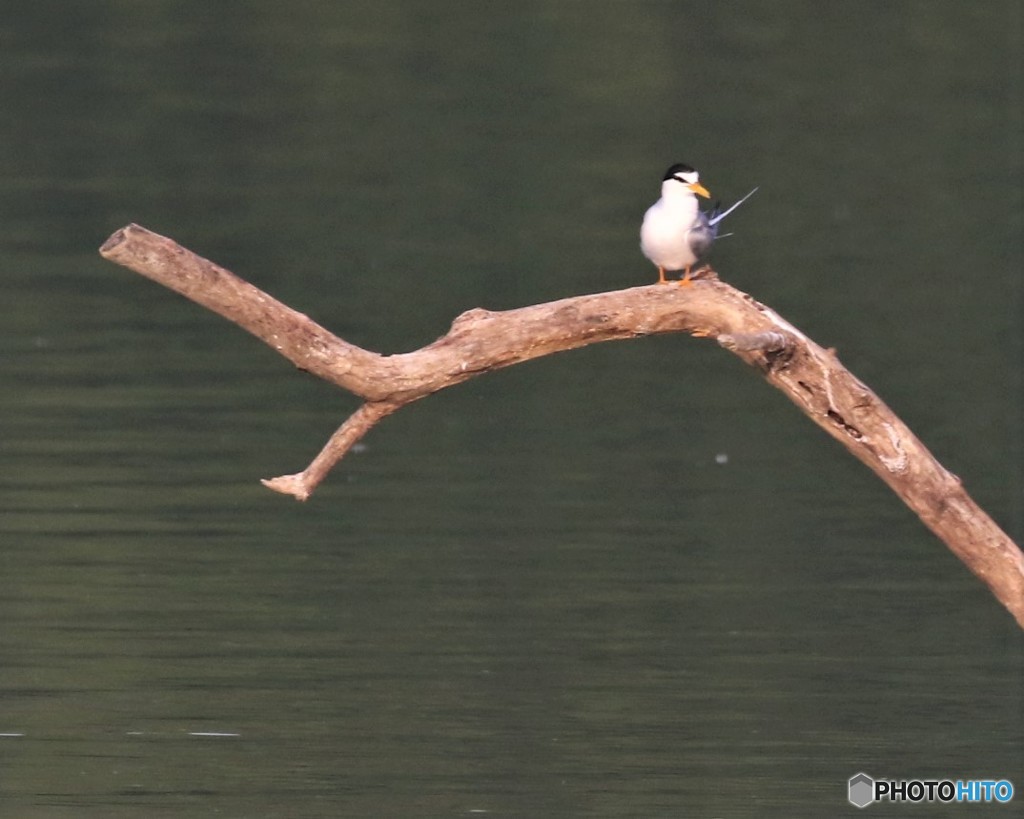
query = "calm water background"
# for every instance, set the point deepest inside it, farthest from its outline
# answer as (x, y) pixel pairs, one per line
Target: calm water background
(539, 594)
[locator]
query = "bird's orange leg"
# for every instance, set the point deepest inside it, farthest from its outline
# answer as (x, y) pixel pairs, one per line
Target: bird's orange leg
(661, 275)
(685, 281)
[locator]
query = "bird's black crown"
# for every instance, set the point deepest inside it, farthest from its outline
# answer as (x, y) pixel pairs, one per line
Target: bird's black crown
(679, 167)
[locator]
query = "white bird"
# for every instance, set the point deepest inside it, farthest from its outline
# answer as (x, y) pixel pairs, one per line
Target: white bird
(675, 233)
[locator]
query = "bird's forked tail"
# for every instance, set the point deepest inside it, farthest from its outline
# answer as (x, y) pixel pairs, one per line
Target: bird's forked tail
(716, 214)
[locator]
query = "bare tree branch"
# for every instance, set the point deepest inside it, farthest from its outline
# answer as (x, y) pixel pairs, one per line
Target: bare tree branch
(480, 341)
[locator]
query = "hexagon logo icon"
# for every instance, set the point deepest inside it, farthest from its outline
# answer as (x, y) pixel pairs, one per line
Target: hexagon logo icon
(861, 790)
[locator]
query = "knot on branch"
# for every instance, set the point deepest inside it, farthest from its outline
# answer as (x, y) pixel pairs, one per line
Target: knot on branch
(777, 348)
(471, 317)
(767, 342)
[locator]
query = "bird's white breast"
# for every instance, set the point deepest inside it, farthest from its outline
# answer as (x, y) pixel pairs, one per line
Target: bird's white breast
(665, 233)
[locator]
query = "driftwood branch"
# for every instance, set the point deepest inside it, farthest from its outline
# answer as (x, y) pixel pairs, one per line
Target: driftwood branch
(480, 341)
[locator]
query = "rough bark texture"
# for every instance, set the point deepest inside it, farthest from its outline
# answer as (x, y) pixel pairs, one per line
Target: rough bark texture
(480, 341)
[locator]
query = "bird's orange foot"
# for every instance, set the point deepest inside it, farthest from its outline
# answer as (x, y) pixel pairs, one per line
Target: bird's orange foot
(661, 275)
(699, 273)
(685, 281)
